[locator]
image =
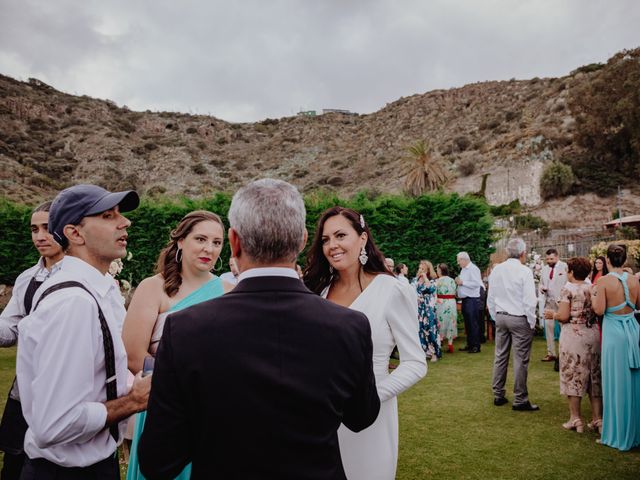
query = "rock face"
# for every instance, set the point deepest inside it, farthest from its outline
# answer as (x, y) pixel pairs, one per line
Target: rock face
(509, 130)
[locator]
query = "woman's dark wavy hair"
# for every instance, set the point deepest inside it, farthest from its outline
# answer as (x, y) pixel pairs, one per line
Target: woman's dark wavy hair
(167, 265)
(317, 275)
(617, 254)
(605, 270)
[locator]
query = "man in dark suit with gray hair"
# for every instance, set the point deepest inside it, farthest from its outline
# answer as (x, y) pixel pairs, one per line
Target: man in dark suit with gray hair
(254, 384)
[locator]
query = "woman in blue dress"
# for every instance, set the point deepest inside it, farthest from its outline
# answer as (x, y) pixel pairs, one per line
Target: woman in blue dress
(184, 278)
(425, 285)
(616, 296)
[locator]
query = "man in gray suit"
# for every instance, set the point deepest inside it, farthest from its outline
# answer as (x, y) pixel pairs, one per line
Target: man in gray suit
(512, 304)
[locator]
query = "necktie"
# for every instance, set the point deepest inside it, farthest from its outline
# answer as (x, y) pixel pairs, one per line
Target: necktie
(551, 272)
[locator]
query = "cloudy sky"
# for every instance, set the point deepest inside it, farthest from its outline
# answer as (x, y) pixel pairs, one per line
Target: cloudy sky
(246, 60)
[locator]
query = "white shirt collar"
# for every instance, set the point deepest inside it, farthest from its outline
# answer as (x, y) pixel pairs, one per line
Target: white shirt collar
(100, 283)
(268, 272)
(42, 272)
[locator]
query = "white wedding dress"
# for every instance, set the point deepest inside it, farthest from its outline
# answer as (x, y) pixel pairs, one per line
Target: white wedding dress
(392, 309)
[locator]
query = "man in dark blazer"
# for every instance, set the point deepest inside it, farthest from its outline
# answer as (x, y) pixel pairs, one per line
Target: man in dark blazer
(254, 384)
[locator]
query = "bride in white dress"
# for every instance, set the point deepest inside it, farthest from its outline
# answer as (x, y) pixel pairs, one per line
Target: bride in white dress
(346, 267)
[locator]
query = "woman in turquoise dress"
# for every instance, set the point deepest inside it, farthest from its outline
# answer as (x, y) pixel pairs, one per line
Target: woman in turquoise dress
(616, 296)
(184, 279)
(446, 305)
(429, 332)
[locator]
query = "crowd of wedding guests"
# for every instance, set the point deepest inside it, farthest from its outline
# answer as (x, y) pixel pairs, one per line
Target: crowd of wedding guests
(599, 347)
(301, 358)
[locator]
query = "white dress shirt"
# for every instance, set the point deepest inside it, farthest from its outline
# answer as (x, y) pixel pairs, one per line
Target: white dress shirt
(268, 272)
(512, 290)
(14, 311)
(61, 372)
(471, 282)
(229, 278)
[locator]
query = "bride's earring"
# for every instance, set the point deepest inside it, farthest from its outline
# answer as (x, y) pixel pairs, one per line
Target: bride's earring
(363, 256)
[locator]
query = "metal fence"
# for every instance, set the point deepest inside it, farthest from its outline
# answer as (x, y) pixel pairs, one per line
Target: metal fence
(568, 243)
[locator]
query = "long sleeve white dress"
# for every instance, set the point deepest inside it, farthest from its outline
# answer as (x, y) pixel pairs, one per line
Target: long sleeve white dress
(392, 309)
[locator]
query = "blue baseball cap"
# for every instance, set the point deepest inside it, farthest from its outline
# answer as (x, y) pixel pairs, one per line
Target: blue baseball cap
(74, 203)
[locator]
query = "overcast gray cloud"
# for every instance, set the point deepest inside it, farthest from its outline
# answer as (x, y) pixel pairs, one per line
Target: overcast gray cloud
(250, 59)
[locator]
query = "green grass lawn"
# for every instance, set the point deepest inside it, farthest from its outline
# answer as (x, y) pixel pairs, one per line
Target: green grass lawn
(450, 429)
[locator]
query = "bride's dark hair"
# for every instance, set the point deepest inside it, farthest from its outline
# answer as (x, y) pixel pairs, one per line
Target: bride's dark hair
(317, 274)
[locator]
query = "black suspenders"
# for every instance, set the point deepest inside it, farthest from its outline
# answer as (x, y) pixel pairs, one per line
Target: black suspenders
(30, 292)
(109, 355)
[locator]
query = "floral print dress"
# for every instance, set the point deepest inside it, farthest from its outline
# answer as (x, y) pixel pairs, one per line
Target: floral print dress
(446, 308)
(579, 345)
(429, 329)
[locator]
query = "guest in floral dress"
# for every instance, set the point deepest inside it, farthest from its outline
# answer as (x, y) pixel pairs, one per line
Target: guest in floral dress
(579, 345)
(425, 285)
(446, 311)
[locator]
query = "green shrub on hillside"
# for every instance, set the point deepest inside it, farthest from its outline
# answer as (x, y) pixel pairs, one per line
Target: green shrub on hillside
(556, 181)
(530, 222)
(511, 208)
(607, 123)
(434, 227)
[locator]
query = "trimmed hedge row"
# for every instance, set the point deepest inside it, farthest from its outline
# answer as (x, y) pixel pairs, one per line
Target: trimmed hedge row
(434, 227)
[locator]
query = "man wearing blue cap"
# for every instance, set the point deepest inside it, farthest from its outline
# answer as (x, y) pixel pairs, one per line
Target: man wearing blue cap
(71, 364)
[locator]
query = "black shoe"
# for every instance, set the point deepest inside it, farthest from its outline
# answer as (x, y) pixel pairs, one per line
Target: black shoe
(525, 407)
(464, 349)
(499, 401)
(474, 350)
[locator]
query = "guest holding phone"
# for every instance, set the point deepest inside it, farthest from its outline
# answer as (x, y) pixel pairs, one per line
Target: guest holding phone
(184, 279)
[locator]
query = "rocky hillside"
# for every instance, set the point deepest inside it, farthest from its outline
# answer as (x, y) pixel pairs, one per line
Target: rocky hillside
(49, 139)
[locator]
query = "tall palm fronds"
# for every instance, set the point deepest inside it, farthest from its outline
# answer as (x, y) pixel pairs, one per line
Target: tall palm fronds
(425, 173)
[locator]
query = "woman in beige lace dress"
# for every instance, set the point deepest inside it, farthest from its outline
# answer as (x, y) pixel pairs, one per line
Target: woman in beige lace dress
(579, 346)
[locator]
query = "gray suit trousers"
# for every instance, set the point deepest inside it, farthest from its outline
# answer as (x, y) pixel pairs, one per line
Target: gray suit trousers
(512, 331)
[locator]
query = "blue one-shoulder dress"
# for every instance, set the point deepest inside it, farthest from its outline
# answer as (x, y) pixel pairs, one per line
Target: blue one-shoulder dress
(621, 375)
(212, 289)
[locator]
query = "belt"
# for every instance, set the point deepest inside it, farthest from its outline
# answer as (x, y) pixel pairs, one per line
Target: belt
(446, 297)
(509, 314)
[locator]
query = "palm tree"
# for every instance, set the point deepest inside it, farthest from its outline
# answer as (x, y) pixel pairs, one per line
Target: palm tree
(425, 173)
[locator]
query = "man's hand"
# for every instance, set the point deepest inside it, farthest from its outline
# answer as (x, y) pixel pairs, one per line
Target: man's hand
(140, 390)
(458, 281)
(135, 401)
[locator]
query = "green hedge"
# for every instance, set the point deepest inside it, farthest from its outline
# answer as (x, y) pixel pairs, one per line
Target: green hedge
(17, 252)
(435, 227)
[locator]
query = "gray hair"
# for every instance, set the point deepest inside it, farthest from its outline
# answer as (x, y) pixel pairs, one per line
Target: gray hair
(516, 247)
(269, 217)
(464, 256)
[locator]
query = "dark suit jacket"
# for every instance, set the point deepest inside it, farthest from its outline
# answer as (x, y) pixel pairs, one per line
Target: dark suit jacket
(254, 384)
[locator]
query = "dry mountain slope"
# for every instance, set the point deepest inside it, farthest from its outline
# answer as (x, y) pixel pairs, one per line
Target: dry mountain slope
(49, 139)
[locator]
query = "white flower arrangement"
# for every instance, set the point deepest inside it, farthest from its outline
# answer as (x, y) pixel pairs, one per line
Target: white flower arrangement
(114, 270)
